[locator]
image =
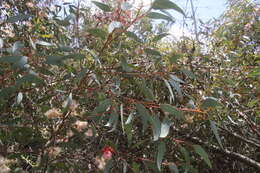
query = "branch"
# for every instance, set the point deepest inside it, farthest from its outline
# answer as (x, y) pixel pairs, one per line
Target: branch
(225, 152)
(241, 137)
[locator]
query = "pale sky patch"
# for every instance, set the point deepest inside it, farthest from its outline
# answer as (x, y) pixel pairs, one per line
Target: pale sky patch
(205, 10)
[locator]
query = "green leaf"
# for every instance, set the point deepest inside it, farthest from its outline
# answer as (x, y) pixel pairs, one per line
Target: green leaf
(82, 74)
(7, 92)
(175, 78)
(172, 110)
(199, 150)
(21, 63)
(136, 167)
(54, 60)
(17, 46)
(148, 93)
(125, 66)
(177, 87)
(63, 22)
(255, 72)
(188, 73)
(43, 43)
(159, 37)
(156, 127)
(113, 121)
(102, 6)
(19, 98)
(160, 154)
(1, 43)
(173, 168)
(76, 56)
(173, 59)
(129, 119)
(210, 102)
(133, 35)
(149, 51)
(18, 18)
(129, 133)
(65, 49)
(45, 71)
(186, 155)
(30, 78)
(108, 166)
(68, 101)
(160, 16)
(102, 107)
(166, 4)
(144, 113)
(215, 131)
(98, 33)
(170, 89)
(165, 127)
(10, 59)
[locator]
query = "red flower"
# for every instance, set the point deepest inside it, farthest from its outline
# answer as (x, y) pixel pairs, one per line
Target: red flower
(107, 152)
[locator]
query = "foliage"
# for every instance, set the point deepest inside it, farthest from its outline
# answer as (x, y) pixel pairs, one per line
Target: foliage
(88, 89)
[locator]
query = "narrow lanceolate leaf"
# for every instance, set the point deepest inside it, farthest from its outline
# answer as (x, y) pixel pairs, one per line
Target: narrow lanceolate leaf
(165, 5)
(175, 78)
(17, 46)
(18, 18)
(32, 43)
(113, 121)
(173, 168)
(129, 119)
(1, 43)
(54, 60)
(76, 56)
(98, 33)
(159, 37)
(215, 131)
(160, 154)
(170, 90)
(30, 78)
(186, 155)
(43, 43)
(165, 127)
(144, 114)
(7, 92)
(102, 107)
(108, 166)
(22, 61)
(149, 51)
(10, 59)
(189, 74)
(199, 150)
(19, 98)
(102, 6)
(133, 36)
(160, 16)
(171, 110)
(210, 102)
(129, 133)
(176, 86)
(122, 117)
(68, 101)
(156, 127)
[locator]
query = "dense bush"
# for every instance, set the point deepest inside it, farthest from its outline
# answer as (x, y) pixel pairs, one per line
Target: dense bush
(99, 89)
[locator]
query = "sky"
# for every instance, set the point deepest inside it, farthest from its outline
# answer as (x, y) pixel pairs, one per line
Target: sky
(205, 10)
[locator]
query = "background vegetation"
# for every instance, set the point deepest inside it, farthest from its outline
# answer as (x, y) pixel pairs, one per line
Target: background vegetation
(102, 90)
